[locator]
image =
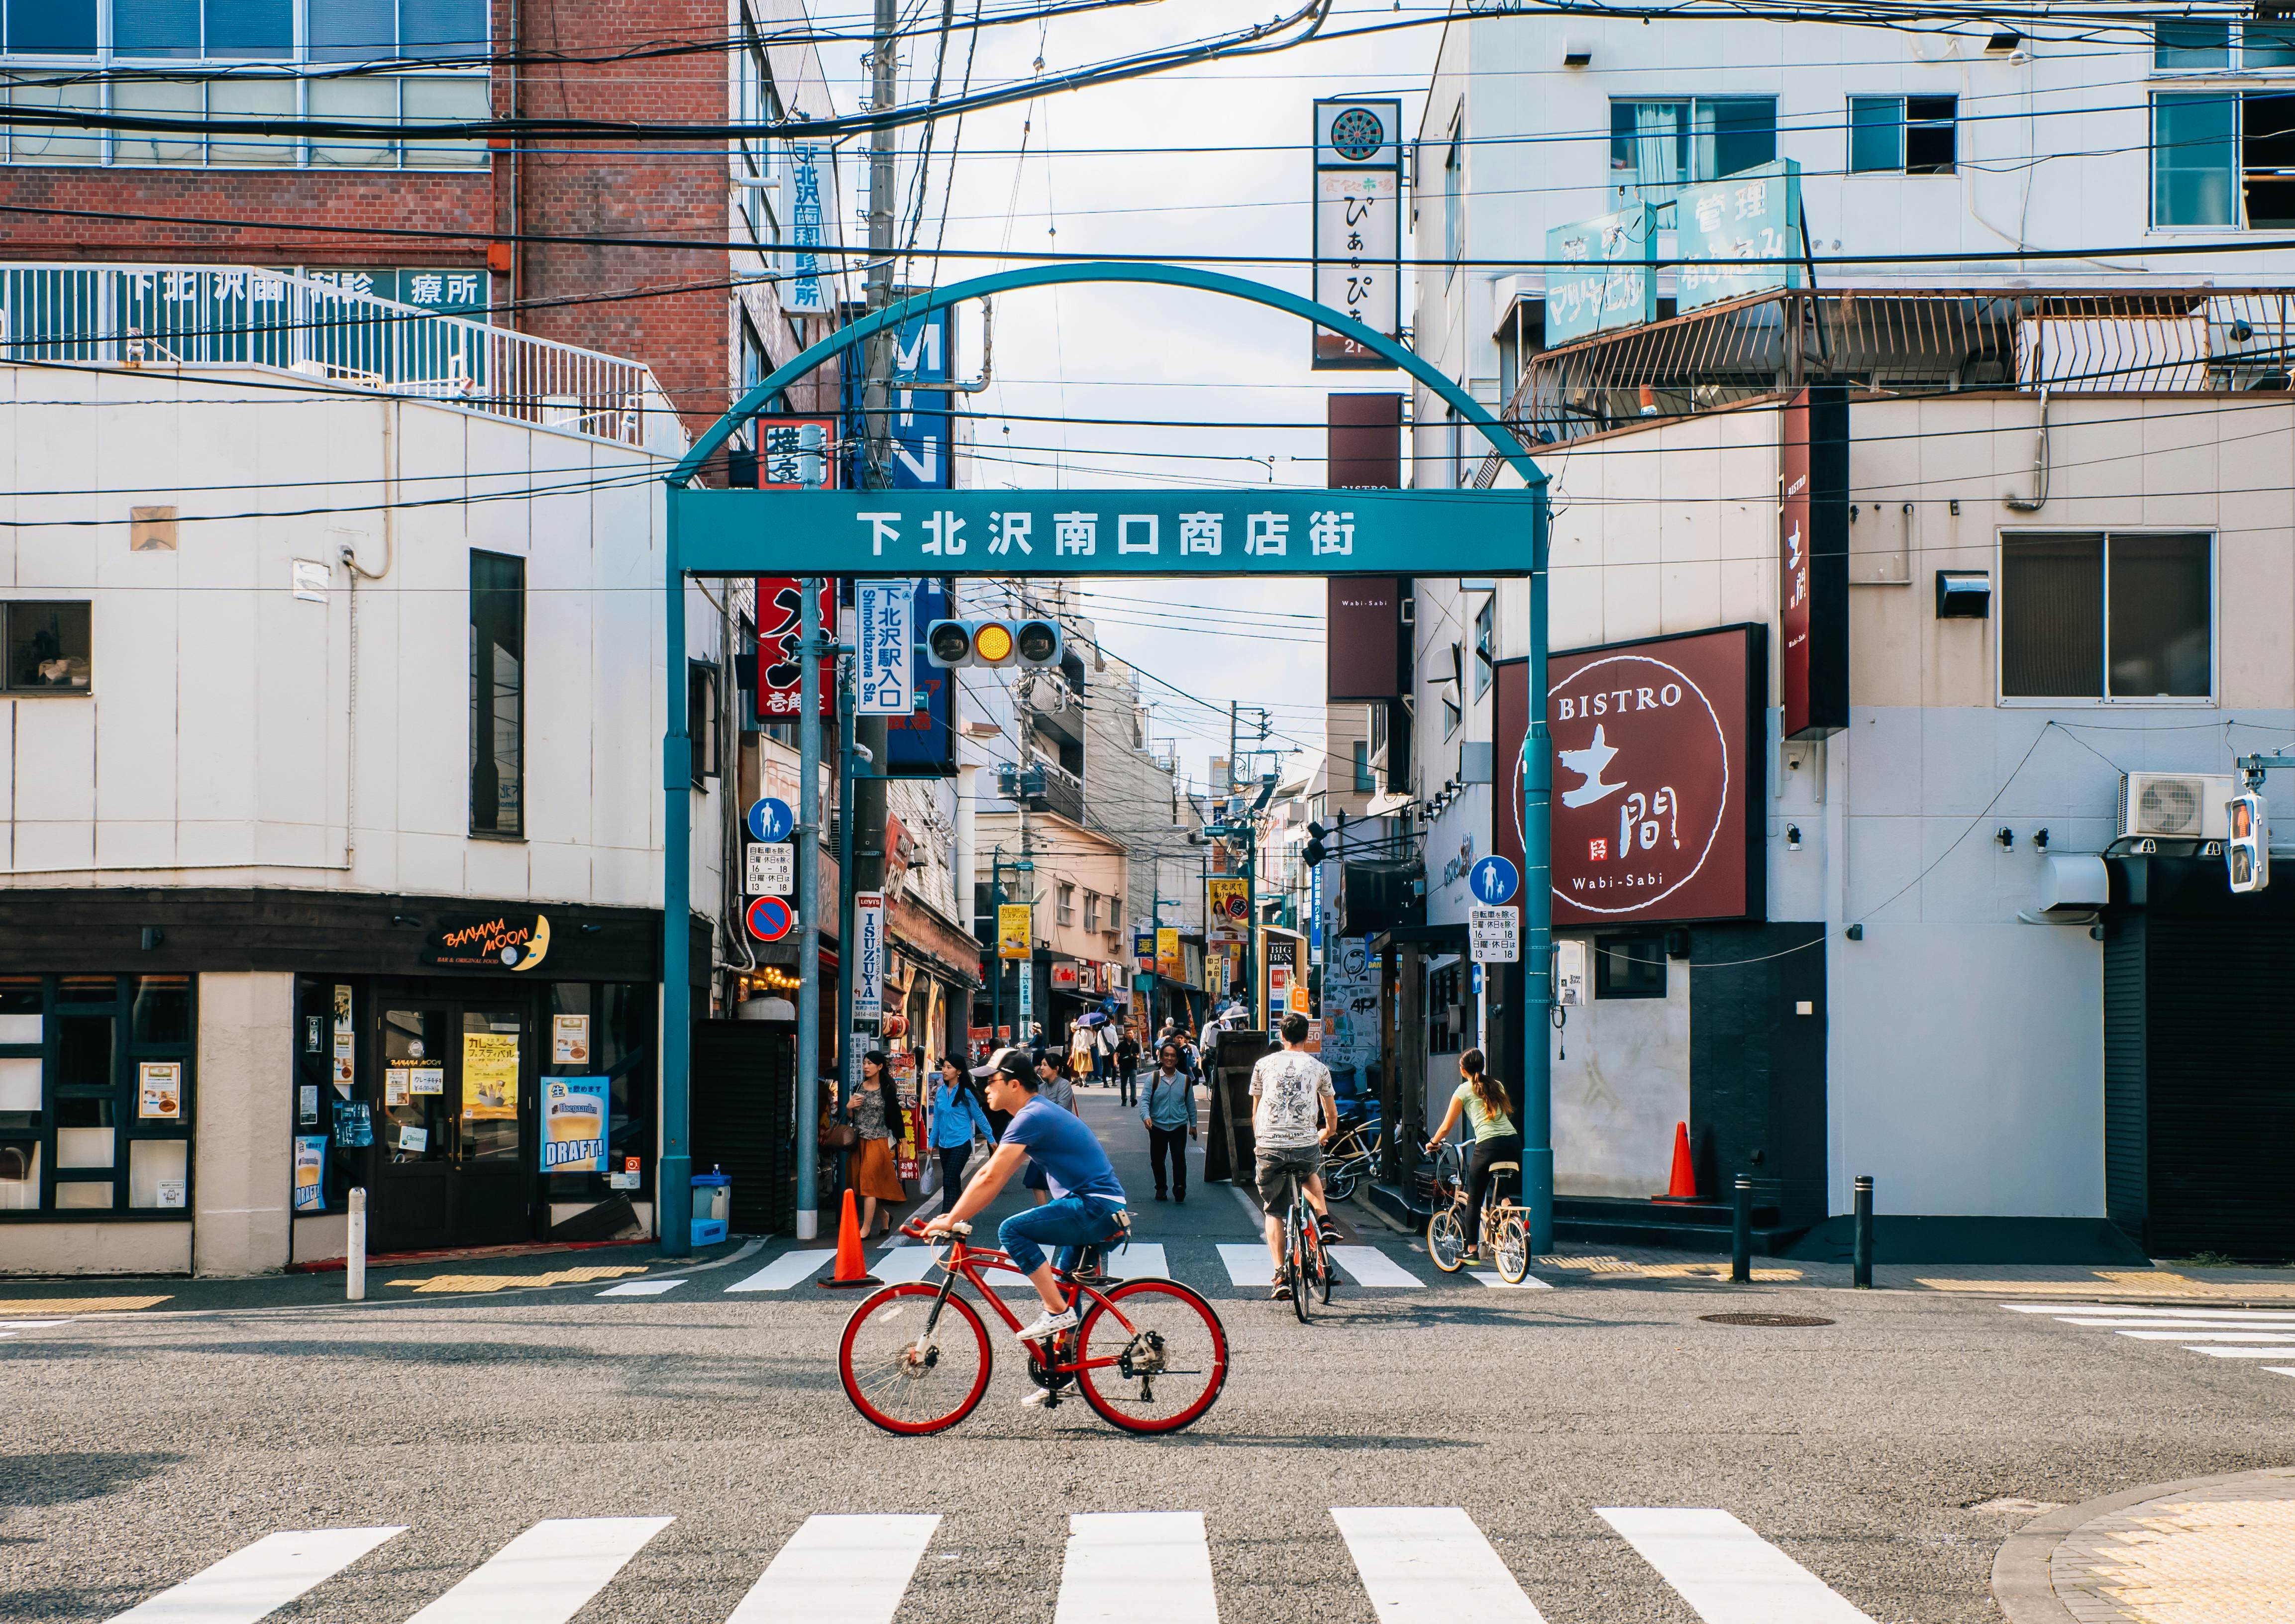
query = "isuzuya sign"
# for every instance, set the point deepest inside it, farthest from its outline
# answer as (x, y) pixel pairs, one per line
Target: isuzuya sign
(1657, 781)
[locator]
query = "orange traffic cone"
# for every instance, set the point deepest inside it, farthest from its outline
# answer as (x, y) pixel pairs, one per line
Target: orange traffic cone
(1682, 1187)
(850, 1269)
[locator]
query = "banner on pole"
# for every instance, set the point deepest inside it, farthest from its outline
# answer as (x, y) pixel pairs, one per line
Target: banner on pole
(868, 955)
(885, 639)
(1013, 931)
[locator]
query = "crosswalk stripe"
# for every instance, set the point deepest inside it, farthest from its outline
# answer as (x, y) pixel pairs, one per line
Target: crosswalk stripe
(2280, 1369)
(1727, 1573)
(1430, 1566)
(1140, 1260)
(839, 1570)
(547, 1574)
(1247, 1265)
(641, 1288)
(1528, 1283)
(2191, 1333)
(29, 1325)
(1137, 1567)
(2278, 1353)
(2126, 1311)
(259, 1578)
(2212, 1322)
(1369, 1266)
(790, 1268)
(896, 1264)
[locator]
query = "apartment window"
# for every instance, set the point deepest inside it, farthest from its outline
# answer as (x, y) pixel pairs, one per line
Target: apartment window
(756, 101)
(701, 720)
(1454, 199)
(2107, 616)
(2189, 46)
(2224, 158)
(1364, 783)
(51, 44)
(1629, 967)
(1485, 643)
(1663, 146)
(46, 647)
(497, 695)
(1066, 903)
(1902, 134)
(95, 1094)
(1091, 911)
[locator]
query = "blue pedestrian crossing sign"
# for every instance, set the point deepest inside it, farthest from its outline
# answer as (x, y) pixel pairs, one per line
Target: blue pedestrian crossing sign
(1493, 881)
(770, 820)
(771, 919)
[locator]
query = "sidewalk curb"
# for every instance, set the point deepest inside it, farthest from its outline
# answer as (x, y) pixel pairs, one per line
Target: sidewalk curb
(2020, 1584)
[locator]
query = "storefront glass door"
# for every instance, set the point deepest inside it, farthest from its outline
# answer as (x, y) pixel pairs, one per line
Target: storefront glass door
(449, 1169)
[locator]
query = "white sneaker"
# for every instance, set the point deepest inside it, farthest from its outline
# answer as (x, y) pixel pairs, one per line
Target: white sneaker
(1048, 1323)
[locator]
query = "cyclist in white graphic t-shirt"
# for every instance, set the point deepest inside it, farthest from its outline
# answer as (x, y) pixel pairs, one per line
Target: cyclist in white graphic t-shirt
(1293, 1111)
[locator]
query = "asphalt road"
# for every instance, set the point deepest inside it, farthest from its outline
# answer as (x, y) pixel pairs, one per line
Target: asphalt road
(138, 1450)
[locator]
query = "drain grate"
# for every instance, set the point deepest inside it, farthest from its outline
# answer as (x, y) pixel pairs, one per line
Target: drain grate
(1764, 1319)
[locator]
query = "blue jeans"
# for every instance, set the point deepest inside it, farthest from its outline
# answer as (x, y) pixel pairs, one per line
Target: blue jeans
(1070, 1223)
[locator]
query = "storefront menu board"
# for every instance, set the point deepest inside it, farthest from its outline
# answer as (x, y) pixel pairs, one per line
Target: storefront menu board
(1658, 777)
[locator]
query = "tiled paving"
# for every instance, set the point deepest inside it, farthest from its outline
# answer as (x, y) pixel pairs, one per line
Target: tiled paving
(2219, 1554)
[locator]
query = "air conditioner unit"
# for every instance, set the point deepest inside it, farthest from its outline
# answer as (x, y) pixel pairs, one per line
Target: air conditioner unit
(2175, 805)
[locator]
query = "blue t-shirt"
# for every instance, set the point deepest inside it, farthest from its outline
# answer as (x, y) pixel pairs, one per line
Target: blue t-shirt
(1067, 1151)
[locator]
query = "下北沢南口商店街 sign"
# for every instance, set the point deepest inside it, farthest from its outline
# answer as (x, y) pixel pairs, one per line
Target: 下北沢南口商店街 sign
(1270, 532)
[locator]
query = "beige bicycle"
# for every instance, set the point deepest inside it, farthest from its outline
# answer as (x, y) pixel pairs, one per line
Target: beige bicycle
(1505, 1227)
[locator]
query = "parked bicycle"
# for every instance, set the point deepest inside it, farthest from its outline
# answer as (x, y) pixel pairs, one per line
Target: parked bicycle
(1505, 1228)
(1148, 1355)
(1305, 1256)
(1351, 1158)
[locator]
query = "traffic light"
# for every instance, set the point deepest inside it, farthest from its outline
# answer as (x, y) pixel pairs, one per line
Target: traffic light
(993, 642)
(1316, 835)
(2247, 854)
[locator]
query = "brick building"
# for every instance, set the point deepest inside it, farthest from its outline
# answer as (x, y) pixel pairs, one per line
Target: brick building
(229, 197)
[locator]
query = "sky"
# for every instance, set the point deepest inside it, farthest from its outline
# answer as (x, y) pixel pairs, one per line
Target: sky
(1020, 182)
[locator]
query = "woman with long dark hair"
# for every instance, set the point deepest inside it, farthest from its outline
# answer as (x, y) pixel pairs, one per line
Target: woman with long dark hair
(958, 1115)
(1482, 1097)
(874, 1106)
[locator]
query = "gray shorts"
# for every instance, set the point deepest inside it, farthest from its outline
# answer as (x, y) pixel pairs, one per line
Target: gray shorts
(1277, 1166)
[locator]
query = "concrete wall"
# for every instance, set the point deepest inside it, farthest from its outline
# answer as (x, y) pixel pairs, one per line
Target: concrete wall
(95, 1249)
(243, 1171)
(1620, 1083)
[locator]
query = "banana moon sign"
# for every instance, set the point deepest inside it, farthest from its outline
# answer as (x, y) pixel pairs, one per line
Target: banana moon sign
(501, 942)
(1658, 777)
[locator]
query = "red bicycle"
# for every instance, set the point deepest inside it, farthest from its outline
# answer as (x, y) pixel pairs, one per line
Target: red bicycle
(1148, 1355)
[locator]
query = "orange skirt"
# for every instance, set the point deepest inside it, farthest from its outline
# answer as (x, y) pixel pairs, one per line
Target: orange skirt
(875, 1173)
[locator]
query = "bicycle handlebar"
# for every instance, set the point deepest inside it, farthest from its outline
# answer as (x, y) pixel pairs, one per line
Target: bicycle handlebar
(915, 1230)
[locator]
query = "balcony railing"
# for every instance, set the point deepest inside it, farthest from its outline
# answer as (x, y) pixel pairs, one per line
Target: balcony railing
(1905, 342)
(243, 316)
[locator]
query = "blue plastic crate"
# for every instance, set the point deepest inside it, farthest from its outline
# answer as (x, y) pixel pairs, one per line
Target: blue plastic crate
(708, 1231)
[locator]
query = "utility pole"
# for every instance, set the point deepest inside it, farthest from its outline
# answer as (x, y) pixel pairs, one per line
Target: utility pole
(808, 910)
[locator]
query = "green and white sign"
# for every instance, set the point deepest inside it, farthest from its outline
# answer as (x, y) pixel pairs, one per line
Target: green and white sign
(1740, 235)
(1601, 273)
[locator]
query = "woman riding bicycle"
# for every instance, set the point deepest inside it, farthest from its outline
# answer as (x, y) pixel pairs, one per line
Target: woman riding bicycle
(1484, 1099)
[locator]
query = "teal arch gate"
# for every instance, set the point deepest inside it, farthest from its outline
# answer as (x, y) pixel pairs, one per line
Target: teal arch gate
(1263, 531)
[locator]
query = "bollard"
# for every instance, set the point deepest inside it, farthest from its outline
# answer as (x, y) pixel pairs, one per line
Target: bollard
(1861, 1258)
(354, 1258)
(1741, 1234)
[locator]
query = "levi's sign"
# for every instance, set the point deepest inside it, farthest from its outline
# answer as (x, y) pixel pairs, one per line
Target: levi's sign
(1657, 777)
(1243, 532)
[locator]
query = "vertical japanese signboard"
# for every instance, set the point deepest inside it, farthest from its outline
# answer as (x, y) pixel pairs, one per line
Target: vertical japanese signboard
(807, 290)
(781, 451)
(1358, 225)
(885, 633)
(924, 740)
(1740, 235)
(1813, 560)
(781, 678)
(1601, 273)
(1013, 931)
(920, 456)
(868, 955)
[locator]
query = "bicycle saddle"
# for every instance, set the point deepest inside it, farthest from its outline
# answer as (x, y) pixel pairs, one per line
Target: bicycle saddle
(1506, 1167)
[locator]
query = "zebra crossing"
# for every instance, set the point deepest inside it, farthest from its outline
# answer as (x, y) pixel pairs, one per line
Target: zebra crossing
(1239, 1266)
(2225, 1334)
(1415, 1565)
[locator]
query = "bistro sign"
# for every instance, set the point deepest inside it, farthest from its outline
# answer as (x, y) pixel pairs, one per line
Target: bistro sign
(505, 941)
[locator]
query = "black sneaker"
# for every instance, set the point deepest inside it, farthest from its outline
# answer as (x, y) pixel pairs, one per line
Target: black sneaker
(1161, 1196)
(1280, 1290)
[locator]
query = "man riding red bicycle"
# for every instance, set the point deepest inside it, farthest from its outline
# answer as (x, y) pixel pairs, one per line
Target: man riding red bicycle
(1087, 1208)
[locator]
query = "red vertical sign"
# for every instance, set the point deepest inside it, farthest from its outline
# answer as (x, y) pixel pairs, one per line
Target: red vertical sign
(781, 629)
(1813, 561)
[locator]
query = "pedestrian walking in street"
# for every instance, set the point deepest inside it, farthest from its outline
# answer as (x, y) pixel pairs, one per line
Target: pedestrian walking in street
(1083, 1053)
(1482, 1097)
(874, 1109)
(1053, 1087)
(1168, 1111)
(1293, 1110)
(959, 1116)
(1127, 1067)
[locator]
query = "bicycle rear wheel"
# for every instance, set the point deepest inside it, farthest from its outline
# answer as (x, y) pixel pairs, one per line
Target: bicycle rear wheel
(898, 1380)
(1295, 1251)
(1446, 1240)
(1513, 1249)
(1324, 1269)
(1163, 1371)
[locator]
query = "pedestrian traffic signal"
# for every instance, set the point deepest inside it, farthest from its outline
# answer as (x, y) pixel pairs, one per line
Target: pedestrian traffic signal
(1316, 852)
(2247, 854)
(993, 642)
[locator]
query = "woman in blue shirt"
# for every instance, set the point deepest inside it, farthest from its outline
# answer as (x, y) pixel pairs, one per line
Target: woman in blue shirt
(957, 1116)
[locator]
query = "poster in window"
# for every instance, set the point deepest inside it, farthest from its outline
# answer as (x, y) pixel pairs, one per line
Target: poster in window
(574, 1124)
(310, 1172)
(394, 1086)
(159, 1090)
(354, 1125)
(343, 1011)
(426, 1079)
(489, 1076)
(307, 1104)
(569, 1040)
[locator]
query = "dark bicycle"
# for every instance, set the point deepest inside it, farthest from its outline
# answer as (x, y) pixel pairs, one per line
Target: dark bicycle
(1305, 1258)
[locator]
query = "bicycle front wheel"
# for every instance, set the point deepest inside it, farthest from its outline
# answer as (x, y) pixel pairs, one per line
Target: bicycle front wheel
(1339, 1179)
(902, 1380)
(1295, 1251)
(1161, 1371)
(1513, 1249)
(1446, 1240)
